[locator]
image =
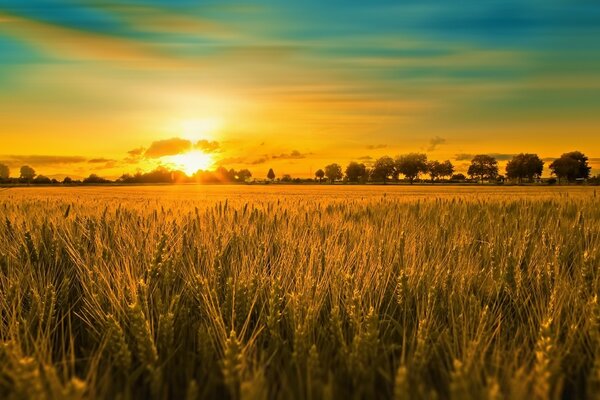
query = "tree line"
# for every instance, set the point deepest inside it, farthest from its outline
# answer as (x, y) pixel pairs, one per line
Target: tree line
(524, 167)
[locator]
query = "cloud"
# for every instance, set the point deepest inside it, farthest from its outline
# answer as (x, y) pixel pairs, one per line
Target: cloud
(40, 160)
(101, 160)
(497, 156)
(434, 142)
(136, 152)
(294, 155)
(168, 147)
(208, 146)
(365, 158)
(376, 146)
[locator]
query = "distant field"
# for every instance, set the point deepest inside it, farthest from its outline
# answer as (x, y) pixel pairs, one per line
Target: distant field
(308, 292)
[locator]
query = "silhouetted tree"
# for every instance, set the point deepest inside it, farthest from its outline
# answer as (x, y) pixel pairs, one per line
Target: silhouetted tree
(383, 169)
(320, 174)
(244, 174)
(67, 180)
(483, 167)
(411, 165)
(4, 172)
(572, 166)
(93, 178)
(27, 173)
(41, 179)
(286, 178)
(333, 172)
(446, 169)
(271, 174)
(355, 171)
(523, 166)
(434, 169)
(458, 177)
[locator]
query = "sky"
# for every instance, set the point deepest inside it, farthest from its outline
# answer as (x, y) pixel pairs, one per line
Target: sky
(114, 87)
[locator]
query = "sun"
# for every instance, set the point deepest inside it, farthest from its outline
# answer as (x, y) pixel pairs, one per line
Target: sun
(191, 161)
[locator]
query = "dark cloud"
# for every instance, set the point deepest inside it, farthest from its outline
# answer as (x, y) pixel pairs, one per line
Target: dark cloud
(208, 146)
(136, 152)
(258, 161)
(376, 146)
(40, 160)
(101, 160)
(434, 142)
(497, 156)
(168, 147)
(294, 155)
(365, 158)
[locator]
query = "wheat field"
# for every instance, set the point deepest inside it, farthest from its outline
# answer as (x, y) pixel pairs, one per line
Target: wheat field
(290, 292)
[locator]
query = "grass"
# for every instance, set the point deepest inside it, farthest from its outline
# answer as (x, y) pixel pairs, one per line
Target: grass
(299, 292)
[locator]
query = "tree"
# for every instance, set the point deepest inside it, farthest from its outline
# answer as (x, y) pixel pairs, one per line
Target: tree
(271, 174)
(458, 177)
(27, 173)
(67, 180)
(93, 178)
(355, 171)
(411, 165)
(286, 178)
(244, 174)
(4, 171)
(572, 166)
(434, 168)
(41, 179)
(483, 167)
(383, 169)
(320, 174)
(523, 166)
(333, 172)
(446, 169)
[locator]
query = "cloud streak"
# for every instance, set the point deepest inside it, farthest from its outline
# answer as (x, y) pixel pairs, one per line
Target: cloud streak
(434, 142)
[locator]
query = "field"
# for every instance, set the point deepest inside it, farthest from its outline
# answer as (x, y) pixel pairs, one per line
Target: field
(286, 292)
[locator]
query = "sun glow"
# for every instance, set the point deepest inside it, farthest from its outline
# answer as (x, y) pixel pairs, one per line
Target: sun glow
(191, 162)
(205, 128)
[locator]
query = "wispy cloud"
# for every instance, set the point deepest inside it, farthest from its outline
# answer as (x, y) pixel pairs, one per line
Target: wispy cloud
(40, 160)
(207, 146)
(434, 142)
(377, 146)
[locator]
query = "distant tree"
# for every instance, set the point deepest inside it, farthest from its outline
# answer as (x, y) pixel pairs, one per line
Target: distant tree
(446, 169)
(271, 174)
(93, 178)
(286, 178)
(434, 169)
(232, 175)
(411, 165)
(524, 166)
(483, 167)
(67, 180)
(41, 179)
(333, 172)
(383, 169)
(571, 166)
(222, 175)
(320, 174)
(355, 171)
(27, 173)
(458, 177)
(244, 174)
(4, 172)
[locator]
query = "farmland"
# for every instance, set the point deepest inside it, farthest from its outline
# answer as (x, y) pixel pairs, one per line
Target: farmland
(312, 292)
